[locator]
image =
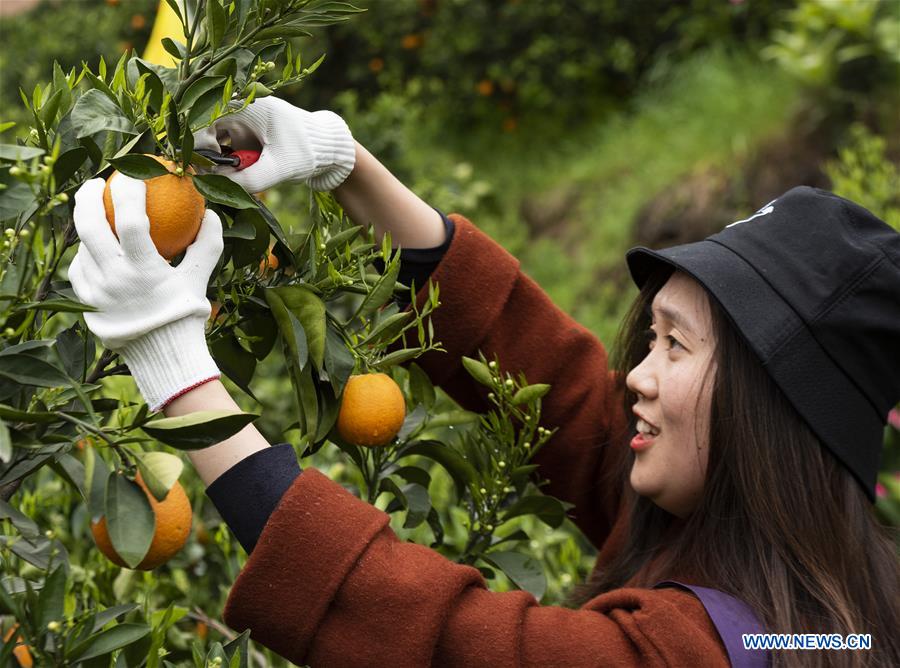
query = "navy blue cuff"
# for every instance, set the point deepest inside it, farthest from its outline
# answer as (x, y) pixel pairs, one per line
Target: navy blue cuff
(417, 264)
(247, 493)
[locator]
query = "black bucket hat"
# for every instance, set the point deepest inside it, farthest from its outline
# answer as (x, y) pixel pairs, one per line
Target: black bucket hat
(812, 282)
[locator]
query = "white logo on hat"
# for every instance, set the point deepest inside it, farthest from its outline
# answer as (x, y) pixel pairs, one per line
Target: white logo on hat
(765, 211)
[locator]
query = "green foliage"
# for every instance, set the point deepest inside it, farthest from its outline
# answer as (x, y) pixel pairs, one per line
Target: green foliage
(495, 62)
(864, 174)
(843, 51)
(87, 29)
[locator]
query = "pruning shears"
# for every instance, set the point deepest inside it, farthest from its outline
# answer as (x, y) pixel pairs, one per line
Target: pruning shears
(238, 159)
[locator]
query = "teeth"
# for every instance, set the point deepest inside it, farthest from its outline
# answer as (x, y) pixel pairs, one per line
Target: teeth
(646, 428)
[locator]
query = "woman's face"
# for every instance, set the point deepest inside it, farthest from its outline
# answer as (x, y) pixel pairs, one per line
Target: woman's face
(673, 406)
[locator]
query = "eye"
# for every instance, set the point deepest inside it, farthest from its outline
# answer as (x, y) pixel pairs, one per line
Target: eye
(650, 338)
(674, 343)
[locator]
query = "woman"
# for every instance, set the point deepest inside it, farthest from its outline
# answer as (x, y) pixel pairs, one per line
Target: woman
(759, 367)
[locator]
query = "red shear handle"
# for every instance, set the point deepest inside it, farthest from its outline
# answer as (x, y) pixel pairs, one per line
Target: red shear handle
(246, 158)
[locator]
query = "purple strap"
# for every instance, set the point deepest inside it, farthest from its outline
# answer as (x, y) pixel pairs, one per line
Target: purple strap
(732, 618)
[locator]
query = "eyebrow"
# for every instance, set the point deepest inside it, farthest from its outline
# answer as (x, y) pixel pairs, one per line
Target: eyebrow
(674, 317)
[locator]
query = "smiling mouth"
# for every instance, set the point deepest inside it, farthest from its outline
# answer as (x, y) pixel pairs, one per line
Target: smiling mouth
(646, 429)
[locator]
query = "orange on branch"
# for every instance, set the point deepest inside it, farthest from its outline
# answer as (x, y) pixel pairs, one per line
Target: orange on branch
(372, 410)
(268, 264)
(20, 652)
(174, 206)
(173, 526)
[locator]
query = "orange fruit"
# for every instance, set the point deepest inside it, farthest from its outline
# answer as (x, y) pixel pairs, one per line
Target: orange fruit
(23, 656)
(268, 264)
(83, 443)
(173, 525)
(485, 87)
(214, 308)
(372, 410)
(174, 206)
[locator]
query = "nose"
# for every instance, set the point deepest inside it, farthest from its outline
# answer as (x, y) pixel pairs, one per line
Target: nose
(642, 380)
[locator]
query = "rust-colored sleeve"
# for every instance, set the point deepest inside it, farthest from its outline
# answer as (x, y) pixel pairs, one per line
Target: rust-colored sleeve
(330, 584)
(488, 303)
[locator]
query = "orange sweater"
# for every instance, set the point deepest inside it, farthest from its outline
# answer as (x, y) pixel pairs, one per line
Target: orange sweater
(330, 584)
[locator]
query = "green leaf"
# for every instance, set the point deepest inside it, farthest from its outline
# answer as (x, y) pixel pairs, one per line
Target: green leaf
(95, 112)
(413, 474)
(139, 166)
(5, 443)
(525, 571)
(35, 344)
(96, 474)
(68, 163)
(262, 331)
(51, 108)
(248, 252)
(339, 240)
(381, 292)
(234, 361)
(238, 649)
(272, 222)
(307, 398)
(462, 472)
(281, 32)
(104, 617)
(25, 525)
(453, 417)
(216, 23)
(50, 603)
(32, 417)
(329, 405)
(241, 228)
(530, 393)
(388, 328)
(310, 312)
(547, 509)
(419, 505)
(198, 430)
(29, 370)
(420, 386)
(129, 519)
(173, 48)
(17, 199)
(159, 470)
(292, 331)
(479, 371)
(110, 640)
(56, 305)
(197, 89)
(397, 357)
(15, 152)
(339, 361)
(69, 468)
(220, 189)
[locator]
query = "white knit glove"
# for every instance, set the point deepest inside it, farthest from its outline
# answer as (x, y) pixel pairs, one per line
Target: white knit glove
(315, 148)
(153, 314)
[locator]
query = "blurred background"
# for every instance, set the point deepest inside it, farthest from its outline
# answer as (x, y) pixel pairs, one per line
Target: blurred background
(568, 130)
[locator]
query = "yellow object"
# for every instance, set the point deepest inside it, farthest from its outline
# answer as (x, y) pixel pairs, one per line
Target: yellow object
(173, 526)
(372, 410)
(174, 207)
(167, 24)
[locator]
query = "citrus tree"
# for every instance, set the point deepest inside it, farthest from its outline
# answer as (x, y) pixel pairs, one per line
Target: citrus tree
(313, 298)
